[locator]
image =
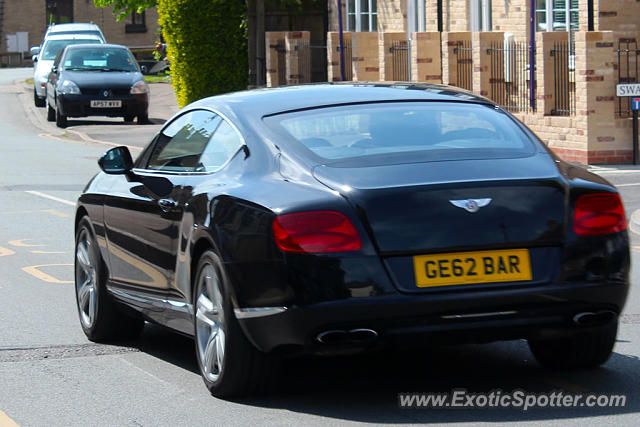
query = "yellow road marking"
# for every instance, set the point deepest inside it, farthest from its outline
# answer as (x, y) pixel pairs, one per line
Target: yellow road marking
(21, 243)
(48, 252)
(57, 213)
(35, 272)
(5, 421)
(5, 251)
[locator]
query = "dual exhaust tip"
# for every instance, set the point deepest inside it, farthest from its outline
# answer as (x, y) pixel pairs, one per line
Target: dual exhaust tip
(365, 335)
(353, 336)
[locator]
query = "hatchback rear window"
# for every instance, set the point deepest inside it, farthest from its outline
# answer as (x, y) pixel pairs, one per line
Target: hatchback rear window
(423, 130)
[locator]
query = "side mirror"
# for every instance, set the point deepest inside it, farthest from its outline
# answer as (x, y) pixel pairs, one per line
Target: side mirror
(116, 161)
(54, 69)
(34, 50)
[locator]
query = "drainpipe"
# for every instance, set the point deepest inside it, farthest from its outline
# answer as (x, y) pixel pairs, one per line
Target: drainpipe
(341, 40)
(532, 54)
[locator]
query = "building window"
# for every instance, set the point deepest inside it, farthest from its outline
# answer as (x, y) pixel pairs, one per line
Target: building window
(480, 15)
(362, 15)
(137, 24)
(557, 15)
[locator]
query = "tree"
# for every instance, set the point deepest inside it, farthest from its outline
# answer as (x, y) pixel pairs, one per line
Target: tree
(206, 43)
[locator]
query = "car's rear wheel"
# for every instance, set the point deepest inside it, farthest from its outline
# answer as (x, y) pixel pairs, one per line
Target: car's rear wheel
(229, 364)
(51, 113)
(99, 317)
(584, 349)
(39, 102)
(61, 119)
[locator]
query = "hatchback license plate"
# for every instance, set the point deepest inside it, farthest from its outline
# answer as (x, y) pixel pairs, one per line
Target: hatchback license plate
(106, 104)
(462, 268)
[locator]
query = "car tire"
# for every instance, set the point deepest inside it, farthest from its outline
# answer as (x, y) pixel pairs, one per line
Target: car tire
(100, 318)
(584, 349)
(61, 119)
(143, 118)
(38, 102)
(51, 113)
(241, 369)
(128, 118)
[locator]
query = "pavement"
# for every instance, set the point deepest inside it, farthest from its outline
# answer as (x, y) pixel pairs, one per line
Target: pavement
(107, 131)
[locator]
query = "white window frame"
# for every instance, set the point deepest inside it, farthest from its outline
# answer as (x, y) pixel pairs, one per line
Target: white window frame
(548, 13)
(480, 15)
(358, 15)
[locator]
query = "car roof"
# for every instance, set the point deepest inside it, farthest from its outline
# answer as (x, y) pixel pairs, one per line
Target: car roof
(73, 37)
(96, 46)
(270, 101)
(74, 26)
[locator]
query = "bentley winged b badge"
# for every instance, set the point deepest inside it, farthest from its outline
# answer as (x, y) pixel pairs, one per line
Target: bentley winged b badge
(471, 205)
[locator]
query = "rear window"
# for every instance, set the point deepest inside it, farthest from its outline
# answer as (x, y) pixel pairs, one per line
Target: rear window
(52, 47)
(404, 131)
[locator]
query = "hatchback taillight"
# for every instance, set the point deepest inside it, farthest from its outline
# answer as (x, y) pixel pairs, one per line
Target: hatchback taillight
(315, 232)
(598, 213)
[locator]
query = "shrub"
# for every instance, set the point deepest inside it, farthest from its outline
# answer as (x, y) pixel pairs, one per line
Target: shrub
(206, 45)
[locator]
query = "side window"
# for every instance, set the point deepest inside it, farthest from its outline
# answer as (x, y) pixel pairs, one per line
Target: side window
(223, 145)
(179, 146)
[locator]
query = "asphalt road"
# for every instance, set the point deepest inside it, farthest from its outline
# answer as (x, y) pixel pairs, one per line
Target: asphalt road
(51, 375)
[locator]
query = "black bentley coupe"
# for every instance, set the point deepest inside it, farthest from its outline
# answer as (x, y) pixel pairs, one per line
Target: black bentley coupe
(336, 218)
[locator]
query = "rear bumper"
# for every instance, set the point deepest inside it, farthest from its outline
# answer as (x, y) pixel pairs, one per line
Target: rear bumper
(452, 317)
(80, 105)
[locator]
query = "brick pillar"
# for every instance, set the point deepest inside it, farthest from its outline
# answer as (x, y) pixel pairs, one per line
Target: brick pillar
(298, 57)
(546, 43)
(333, 55)
(481, 42)
(273, 41)
(608, 140)
(450, 42)
(386, 56)
(425, 58)
(366, 62)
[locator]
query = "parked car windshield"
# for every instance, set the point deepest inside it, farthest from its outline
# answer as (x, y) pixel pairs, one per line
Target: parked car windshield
(52, 47)
(406, 131)
(99, 59)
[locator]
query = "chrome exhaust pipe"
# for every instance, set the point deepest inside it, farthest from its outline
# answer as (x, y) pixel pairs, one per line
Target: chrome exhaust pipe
(353, 336)
(590, 318)
(333, 337)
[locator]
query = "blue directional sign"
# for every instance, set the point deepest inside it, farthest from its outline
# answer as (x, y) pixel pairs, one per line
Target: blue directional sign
(635, 103)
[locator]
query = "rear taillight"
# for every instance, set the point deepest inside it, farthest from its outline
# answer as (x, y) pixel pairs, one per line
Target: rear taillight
(598, 213)
(315, 232)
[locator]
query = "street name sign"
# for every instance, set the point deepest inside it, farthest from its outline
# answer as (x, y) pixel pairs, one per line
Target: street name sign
(628, 89)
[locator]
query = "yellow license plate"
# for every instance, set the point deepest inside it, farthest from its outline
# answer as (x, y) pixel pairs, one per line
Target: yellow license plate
(462, 268)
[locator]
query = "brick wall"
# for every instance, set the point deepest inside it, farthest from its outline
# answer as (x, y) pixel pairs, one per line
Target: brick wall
(511, 17)
(30, 16)
(392, 16)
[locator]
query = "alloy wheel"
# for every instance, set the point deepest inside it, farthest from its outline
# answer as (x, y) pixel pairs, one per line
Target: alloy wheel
(210, 324)
(86, 280)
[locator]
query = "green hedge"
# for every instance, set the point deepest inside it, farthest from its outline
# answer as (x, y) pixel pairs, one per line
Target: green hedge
(207, 46)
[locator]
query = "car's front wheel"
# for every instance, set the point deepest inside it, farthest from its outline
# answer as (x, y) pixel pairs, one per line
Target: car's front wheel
(99, 317)
(230, 365)
(51, 113)
(584, 349)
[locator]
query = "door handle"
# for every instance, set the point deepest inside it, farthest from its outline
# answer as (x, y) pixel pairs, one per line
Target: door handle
(167, 204)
